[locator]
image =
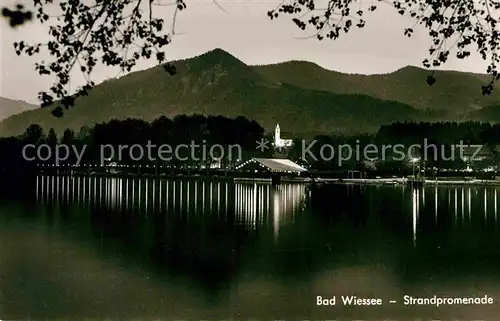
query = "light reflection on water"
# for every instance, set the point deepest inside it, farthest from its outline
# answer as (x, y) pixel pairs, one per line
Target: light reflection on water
(250, 202)
(211, 249)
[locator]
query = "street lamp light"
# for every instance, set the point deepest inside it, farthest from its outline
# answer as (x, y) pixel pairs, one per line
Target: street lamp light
(414, 160)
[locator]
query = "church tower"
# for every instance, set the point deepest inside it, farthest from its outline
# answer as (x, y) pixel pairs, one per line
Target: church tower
(277, 135)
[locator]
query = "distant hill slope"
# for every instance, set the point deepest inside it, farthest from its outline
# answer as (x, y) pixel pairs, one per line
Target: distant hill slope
(489, 113)
(301, 96)
(9, 107)
(216, 83)
(454, 92)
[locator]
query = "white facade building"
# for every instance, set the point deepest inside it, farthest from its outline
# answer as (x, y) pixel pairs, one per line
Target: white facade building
(278, 141)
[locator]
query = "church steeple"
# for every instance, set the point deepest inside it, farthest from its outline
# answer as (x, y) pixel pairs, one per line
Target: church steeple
(280, 142)
(277, 135)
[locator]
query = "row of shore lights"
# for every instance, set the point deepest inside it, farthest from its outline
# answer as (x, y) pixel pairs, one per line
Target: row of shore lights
(92, 165)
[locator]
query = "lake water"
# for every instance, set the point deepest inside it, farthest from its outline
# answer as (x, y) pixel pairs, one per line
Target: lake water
(191, 250)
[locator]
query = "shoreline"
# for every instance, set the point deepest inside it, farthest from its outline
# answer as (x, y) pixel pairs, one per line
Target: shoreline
(397, 181)
(404, 181)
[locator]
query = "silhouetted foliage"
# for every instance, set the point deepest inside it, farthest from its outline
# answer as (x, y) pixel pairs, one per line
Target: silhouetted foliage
(452, 25)
(33, 134)
(52, 139)
(18, 16)
(85, 34)
(119, 33)
(68, 137)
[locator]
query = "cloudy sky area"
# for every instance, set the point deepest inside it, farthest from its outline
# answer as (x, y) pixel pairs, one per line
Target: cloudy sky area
(244, 30)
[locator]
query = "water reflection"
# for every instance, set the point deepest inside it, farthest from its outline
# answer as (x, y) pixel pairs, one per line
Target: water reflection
(236, 247)
(251, 203)
(253, 206)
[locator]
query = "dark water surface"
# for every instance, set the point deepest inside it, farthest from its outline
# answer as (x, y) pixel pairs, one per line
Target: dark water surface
(191, 250)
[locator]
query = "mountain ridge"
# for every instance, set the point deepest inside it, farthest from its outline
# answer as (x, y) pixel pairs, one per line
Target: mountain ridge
(9, 107)
(300, 97)
(453, 91)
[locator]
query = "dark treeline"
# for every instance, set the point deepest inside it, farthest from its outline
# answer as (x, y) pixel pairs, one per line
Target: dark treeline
(229, 132)
(443, 135)
(205, 132)
(470, 132)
